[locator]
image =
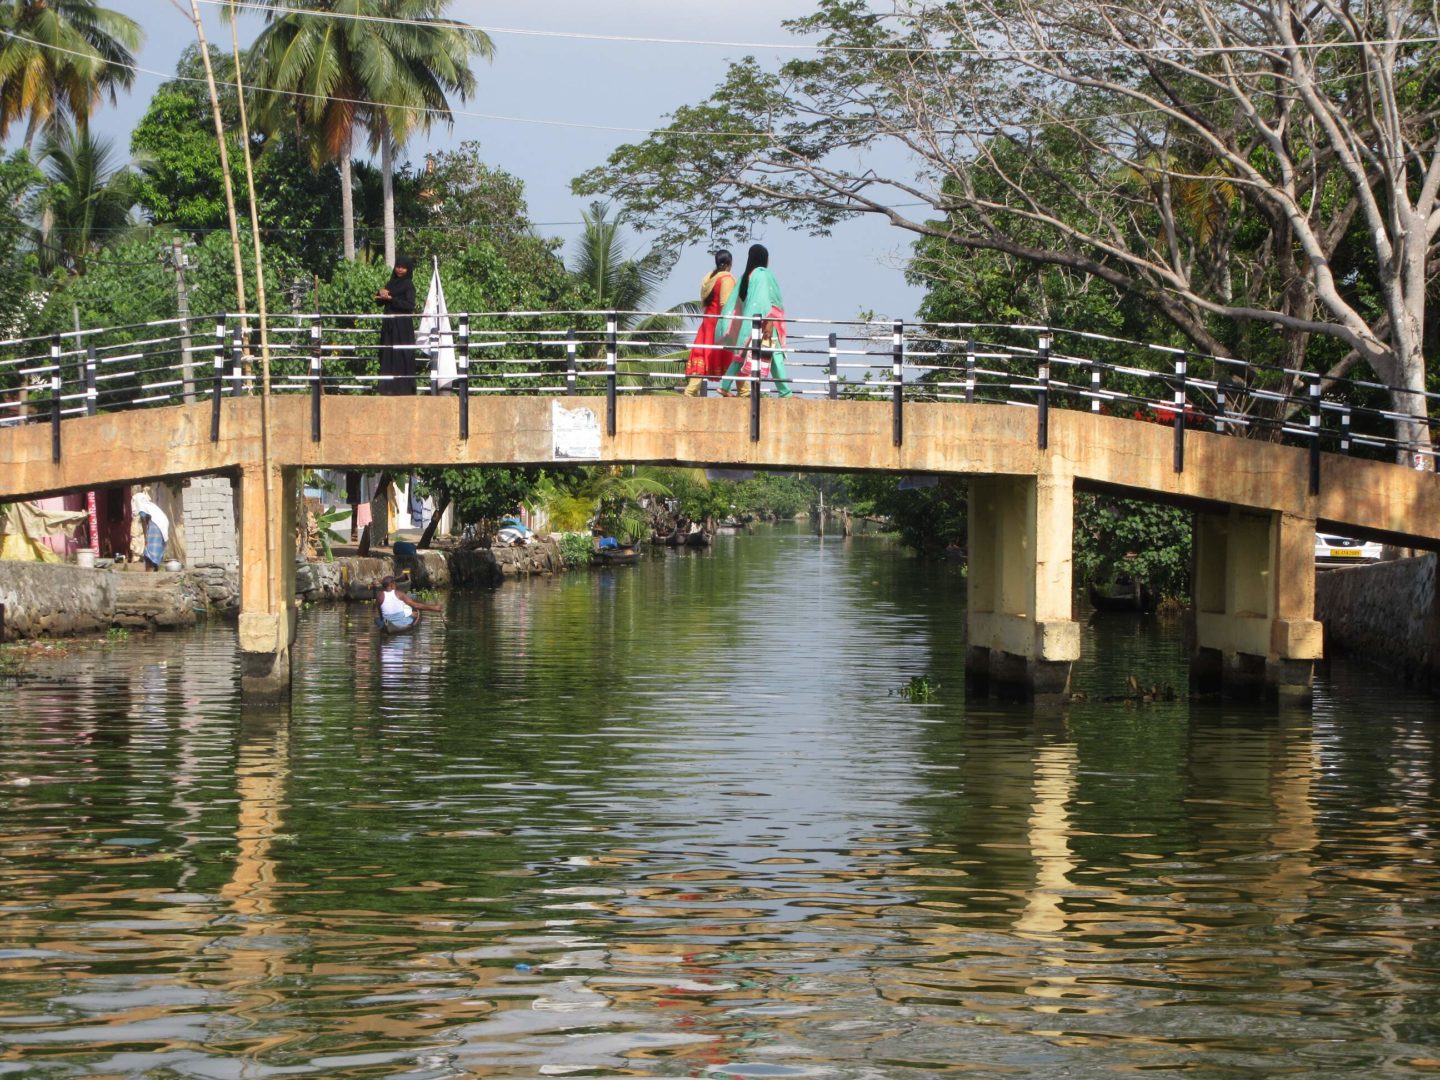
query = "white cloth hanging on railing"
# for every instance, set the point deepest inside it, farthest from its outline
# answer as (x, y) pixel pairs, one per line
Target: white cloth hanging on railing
(436, 335)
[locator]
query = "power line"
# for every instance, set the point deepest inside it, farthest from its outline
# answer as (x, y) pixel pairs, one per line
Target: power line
(169, 228)
(444, 113)
(798, 46)
(451, 114)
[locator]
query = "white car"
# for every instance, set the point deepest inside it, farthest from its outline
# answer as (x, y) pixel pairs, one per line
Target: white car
(1333, 549)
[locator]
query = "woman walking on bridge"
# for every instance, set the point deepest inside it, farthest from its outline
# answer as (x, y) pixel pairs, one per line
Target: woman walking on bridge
(707, 359)
(397, 332)
(756, 302)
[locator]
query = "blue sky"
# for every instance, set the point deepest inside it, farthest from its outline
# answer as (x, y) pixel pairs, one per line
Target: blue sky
(614, 84)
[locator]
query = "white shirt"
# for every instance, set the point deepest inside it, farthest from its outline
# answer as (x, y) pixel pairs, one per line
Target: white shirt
(392, 607)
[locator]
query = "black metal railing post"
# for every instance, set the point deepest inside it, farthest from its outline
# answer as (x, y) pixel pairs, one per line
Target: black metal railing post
(1182, 368)
(897, 376)
(612, 352)
(755, 382)
(317, 385)
(970, 370)
(92, 391)
(1042, 399)
(1222, 424)
(1315, 435)
(218, 388)
(464, 380)
(833, 375)
(1345, 430)
(1095, 385)
(55, 384)
(571, 374)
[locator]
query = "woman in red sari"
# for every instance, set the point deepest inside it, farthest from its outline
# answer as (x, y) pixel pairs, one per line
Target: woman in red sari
(706, 361)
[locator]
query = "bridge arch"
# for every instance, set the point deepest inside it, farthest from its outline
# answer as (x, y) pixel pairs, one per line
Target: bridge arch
(1256, 511)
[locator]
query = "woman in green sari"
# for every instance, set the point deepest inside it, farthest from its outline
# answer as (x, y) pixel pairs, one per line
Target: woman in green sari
(755, 302)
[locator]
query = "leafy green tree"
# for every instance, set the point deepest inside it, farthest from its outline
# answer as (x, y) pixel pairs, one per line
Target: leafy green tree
(180, 183)
(477, 279)
(18, 179)
(212, 276)
(60, 58)
(1148, 542)
(779, 495)
(126, 283)
(928, 519)
(695, 497)
(388, 66)
(86, 199)
(480, 495)
(1220, 163)
(614, 279)
(456, 201)
(609, 496)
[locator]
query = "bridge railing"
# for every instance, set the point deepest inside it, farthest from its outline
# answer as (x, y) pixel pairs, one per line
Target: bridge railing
(621, 354)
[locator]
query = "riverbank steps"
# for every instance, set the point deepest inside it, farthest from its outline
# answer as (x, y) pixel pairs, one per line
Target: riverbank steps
(1385, 614)
(49, 600)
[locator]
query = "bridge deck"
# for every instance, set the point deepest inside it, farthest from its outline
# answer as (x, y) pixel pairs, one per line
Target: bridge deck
(1356, 496)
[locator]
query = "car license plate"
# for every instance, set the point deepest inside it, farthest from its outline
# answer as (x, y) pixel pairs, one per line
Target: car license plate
(1345, 553)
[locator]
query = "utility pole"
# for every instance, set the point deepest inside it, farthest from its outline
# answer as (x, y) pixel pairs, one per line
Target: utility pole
(182, 303)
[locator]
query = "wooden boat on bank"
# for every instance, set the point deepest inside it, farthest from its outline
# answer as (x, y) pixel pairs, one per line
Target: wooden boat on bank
(618, 556)
(1123, 594)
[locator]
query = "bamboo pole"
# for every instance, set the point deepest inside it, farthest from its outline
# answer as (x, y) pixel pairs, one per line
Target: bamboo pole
(273, 568)
(254, 212)
(199, 25)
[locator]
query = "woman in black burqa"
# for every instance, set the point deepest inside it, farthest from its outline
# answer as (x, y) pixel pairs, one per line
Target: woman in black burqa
(397, 332)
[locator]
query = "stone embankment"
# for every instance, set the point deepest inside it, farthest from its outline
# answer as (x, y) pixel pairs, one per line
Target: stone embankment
(355, 578)
(1386, 614)
(45, 600)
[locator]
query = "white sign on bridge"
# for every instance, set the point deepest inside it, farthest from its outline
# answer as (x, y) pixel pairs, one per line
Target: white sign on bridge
(576, 433)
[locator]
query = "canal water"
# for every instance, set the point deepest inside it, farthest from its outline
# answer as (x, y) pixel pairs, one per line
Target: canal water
(679, 819)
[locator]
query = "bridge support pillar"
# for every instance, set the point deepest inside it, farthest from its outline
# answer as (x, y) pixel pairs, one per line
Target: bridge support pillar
(266, 505)
(1254, 592)
(1023, 639)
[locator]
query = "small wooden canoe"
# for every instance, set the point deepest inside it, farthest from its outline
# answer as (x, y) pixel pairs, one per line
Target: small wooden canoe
(391, 628)
(1123, 596)
(624, 556)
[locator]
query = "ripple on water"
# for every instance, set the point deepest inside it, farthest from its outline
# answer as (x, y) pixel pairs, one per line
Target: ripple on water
(679, 821)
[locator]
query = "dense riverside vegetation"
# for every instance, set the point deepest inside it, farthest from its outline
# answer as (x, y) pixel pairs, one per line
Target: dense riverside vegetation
(87, 235)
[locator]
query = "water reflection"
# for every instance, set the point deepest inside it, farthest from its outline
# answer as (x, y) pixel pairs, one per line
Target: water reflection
(675, 820)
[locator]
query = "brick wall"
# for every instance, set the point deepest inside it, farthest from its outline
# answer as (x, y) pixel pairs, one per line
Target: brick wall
(210, 537)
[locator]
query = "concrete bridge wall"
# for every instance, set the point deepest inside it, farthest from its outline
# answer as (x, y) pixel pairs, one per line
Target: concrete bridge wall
(1363, 497)
(1255, 512)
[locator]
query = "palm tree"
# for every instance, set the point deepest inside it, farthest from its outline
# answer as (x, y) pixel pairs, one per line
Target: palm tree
(59, 58)
(85, 202)
(616, 281)
(609, 496)
(386, 66)
(602, 265)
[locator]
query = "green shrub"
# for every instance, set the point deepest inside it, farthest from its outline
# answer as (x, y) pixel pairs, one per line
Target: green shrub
(575, 549)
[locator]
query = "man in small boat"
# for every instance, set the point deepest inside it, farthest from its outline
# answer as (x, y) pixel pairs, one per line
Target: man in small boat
(394, 606)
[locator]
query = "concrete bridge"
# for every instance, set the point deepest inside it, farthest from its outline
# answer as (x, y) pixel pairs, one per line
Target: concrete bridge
(1257, 504)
